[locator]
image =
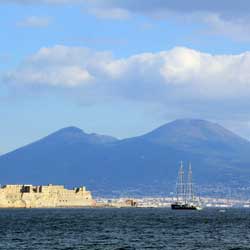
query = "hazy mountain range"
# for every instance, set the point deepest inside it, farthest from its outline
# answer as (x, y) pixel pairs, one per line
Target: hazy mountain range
(144, 164)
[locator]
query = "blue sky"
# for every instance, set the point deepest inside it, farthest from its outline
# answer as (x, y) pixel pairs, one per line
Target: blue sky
(121, 67)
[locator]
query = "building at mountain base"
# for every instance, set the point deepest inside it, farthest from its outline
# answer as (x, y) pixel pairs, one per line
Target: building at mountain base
(50, 196)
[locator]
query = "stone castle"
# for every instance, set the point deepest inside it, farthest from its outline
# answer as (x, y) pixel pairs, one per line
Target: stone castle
(50, 196)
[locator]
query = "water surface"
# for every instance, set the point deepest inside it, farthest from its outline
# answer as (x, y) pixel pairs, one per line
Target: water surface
(124, 229)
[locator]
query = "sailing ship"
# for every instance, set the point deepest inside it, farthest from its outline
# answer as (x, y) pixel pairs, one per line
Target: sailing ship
(185, 193)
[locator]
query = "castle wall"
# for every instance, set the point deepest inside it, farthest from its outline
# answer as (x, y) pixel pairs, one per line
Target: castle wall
(51, 196)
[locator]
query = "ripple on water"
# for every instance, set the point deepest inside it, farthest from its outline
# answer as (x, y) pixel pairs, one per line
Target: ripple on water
(126, 229)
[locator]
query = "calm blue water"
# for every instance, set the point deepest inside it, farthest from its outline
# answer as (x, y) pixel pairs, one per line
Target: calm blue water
(124, 229)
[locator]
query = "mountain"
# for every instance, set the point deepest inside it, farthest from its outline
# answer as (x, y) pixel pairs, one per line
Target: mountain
(198, 136)
(76, 135)
(145, 164)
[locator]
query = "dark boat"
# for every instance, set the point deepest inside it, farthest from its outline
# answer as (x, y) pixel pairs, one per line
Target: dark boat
(185, 206)
(185, 195)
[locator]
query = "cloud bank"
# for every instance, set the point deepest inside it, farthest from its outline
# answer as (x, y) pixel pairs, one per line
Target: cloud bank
(228, 18)
(166, 75)
(229, 7)
(151, 5)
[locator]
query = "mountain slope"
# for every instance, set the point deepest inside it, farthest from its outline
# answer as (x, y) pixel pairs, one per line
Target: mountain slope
(192, 134)
(145, 164)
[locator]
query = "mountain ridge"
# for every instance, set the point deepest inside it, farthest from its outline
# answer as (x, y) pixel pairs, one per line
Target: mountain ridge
(72, 157)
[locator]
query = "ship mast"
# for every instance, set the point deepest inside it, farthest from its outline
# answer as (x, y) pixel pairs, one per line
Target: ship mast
(190, 193)
(180, 185)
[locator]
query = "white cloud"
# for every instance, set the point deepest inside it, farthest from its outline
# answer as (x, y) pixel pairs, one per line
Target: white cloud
(34, 22)
(166, 75)
(57, 66)
(70, 76)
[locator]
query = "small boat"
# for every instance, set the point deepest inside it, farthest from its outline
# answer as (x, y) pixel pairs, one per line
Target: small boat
(184, 206)
(184, 191)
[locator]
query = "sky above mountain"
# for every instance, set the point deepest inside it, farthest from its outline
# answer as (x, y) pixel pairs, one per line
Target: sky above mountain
(121, 67)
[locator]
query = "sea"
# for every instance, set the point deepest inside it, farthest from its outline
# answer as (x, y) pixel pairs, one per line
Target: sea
(132, 228)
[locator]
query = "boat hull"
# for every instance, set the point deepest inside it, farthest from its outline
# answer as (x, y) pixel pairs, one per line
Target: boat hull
(184, 207)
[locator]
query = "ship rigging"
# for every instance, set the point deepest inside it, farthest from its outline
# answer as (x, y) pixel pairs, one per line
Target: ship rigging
(184, 192)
